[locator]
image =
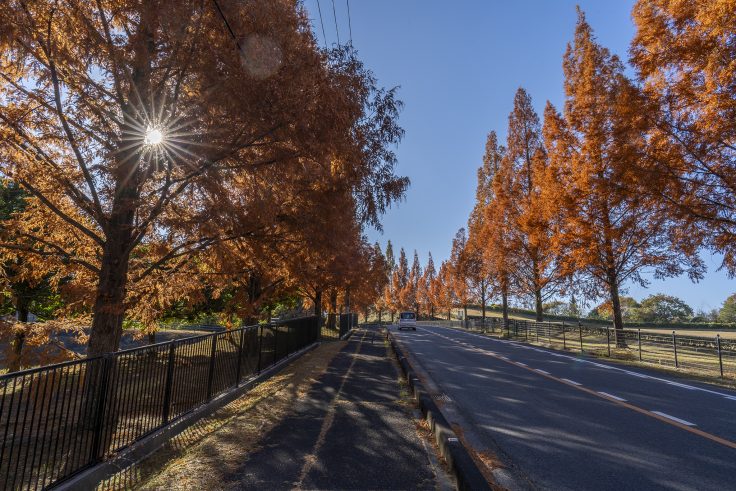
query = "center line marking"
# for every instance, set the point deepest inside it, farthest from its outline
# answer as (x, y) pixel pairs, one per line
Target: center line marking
(665, 418)
(612, 396)
(571, 381)
(541, 371)
(681, 421)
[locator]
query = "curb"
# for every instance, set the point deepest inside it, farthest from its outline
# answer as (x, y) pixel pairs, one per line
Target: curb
(92, 477)
(464, 468)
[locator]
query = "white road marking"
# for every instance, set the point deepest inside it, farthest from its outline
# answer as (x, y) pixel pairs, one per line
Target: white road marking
(520, 363)
(581, 360)
(681, 421)
(541, 371)
(612, 396)
(571, 381)
(684, 386)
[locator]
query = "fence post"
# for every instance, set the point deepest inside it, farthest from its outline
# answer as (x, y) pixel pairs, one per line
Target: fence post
(580, 330)
(549, 332)
(240, 357)
(275, 343)
(168, 385)
(564, 341)
(674, 348)
(720, 356)
(608, 340)
(639, 338)
(259, 330)
(105, 366)
(211, 374)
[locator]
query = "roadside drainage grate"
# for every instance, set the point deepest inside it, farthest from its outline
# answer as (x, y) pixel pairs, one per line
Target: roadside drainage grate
(442, 397)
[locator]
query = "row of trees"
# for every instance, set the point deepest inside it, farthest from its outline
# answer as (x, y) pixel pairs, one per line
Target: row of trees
(632, 175)
(665, 309)
(166, 153)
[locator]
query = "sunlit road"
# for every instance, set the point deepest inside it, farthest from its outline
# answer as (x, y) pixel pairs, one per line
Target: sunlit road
(564, 422)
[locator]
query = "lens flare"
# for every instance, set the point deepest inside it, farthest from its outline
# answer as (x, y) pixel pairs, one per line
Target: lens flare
(154, 136)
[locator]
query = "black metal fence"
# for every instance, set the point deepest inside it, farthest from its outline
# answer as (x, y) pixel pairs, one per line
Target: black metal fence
(336, 328)
(710, 356)
(58, 420)
(347, 322)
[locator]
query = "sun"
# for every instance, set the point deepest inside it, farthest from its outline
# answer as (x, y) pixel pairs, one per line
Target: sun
(154, 136)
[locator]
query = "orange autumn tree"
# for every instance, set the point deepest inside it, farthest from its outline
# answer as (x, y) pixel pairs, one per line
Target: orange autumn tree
(608, 231)
(479, 263)
(442, 290)
(427, 299)
(684, 55)
(498, 225)
(153, 144)
(536, 265)
(409, 295)
(460, 271)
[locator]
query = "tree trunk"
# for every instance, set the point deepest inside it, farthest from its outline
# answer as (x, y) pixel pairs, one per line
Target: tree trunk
(109, 308)
(483, 305)
(20, 336)
(318, 303)
(505, 306)
(332, 315)
(465, 315)
(618, 322)
(379, 315)
(538, 304)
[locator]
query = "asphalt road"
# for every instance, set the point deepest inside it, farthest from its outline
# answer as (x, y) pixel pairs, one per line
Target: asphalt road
(561, 421)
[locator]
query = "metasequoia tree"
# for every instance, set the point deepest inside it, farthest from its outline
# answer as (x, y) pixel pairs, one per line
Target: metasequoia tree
(442, 290)
(607, 230)
(460, 267)
(537, 269)
(399, 279)
(152, 144)
(388, 296)
(409, 295)
(684, 54)
(426, 296)
(498, 227)
(478, 264)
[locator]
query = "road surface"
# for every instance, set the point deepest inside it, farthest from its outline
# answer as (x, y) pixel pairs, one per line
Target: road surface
(562, 421)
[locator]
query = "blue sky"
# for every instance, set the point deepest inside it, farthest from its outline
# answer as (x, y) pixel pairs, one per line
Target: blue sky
(458, 65)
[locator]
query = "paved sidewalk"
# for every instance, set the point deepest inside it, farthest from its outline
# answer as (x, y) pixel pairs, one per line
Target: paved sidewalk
(350, 432)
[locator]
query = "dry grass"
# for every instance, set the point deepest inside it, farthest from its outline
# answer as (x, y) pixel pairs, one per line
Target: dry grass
(701, 365)
(215, 446)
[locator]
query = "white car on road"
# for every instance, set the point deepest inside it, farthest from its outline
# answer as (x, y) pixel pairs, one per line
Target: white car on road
(408, 320)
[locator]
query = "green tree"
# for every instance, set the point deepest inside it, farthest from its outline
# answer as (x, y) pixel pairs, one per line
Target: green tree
(629, 310)
(728, 311)
(664, 308)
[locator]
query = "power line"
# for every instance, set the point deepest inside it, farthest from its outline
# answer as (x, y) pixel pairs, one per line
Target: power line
(350, 24)
(227, 24)
(334, 14)
(319, 9)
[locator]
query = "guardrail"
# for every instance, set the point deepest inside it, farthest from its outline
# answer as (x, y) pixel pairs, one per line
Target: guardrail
(713, 356)
(60, 419)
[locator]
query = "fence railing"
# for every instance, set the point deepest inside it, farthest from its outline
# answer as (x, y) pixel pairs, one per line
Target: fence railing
(347, 322)
(712, 356)
(60, 419)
